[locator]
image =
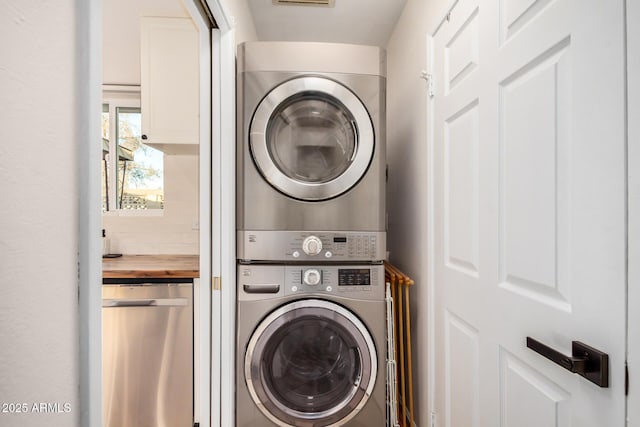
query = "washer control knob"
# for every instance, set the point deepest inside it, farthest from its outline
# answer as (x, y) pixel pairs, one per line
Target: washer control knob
(328, 254)
(311, 277)
(312, 245)
(295, 254)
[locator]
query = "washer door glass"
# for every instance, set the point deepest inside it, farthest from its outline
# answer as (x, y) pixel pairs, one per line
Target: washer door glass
(310, 361)
(311, 138)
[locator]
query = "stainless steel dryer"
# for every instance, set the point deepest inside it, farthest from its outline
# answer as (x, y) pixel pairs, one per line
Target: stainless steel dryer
(311, 346)
(311, 151)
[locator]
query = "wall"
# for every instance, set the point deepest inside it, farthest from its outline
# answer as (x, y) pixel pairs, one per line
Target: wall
(39, 211)
(241, 19)
(173, 232)
(407, 158)
(121, 35)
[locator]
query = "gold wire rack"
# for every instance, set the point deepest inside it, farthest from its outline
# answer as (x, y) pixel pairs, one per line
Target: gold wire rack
(400, 284)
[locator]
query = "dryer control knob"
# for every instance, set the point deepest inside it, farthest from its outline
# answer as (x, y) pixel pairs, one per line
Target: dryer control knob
(311, 277)
(312, 245)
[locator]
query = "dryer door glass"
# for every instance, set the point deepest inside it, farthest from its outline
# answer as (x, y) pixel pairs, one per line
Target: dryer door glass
(311, 138)
(311, 360)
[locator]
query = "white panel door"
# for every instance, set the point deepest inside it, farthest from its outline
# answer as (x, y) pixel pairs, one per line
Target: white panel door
(528, 210)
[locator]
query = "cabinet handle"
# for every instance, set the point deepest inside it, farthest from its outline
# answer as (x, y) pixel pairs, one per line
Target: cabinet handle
(151, 302)
(585, 361)
(144, 137)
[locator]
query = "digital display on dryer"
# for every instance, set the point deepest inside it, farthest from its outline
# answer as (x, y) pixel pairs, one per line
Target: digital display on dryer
(354, 277)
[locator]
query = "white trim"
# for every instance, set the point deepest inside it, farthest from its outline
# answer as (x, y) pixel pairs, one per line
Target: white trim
(88, 42)
(633, 210)
(228, 225)
(202, 352)
(223, 302)
(431, 292)
(223, 19)
(431, 309)
(134, 213)
(121, 88)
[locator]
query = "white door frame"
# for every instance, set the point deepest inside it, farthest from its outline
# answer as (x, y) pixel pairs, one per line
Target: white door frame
(224, 225)
(217, 237)
(633, 215)
(88, 23)
(431, 308)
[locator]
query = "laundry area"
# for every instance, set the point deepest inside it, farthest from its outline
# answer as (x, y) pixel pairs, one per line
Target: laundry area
(314, 213)
(403, 195)
(401, 209)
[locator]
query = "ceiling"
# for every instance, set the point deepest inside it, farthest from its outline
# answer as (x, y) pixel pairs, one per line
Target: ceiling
(369, 22)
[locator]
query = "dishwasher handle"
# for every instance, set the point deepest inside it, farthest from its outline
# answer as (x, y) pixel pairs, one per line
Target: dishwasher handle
(145, 302)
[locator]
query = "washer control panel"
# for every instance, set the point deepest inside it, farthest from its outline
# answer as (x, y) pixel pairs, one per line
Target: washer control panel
(262, 282)
(311, 246)
(358, 281)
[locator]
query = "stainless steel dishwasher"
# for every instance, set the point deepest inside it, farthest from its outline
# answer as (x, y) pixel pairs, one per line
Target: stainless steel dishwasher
(147, 347)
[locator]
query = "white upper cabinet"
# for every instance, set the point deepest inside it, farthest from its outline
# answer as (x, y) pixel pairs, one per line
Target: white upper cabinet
(169, 66)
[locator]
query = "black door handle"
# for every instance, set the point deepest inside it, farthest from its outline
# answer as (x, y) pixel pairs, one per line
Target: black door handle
(585, 361)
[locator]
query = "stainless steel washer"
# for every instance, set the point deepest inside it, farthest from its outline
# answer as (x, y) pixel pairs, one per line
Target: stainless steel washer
(311, 343)
(311, 147)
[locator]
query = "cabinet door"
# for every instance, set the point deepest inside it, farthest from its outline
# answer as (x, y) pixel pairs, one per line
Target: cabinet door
(169, 84)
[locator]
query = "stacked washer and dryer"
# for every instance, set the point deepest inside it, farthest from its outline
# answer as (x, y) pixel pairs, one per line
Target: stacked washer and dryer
(311, 235)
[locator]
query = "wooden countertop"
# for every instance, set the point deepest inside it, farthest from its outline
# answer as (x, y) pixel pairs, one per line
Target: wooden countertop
(151, 266)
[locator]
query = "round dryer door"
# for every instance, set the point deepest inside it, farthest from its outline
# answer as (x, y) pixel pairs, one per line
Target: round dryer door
(311, 138)
(311, 363)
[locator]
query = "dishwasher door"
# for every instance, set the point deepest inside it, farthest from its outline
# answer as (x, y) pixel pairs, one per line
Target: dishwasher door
(147, 355)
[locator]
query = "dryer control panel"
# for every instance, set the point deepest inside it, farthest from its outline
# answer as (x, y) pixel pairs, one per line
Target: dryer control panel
(321, 246)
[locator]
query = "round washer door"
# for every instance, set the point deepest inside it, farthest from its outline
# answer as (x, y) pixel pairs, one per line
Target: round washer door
(311, 138)
(311, 362)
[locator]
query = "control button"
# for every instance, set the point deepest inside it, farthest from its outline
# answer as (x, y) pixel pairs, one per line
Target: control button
(311, 277)
(328, 254)
(294, 289)
(329, 288)
(295, 254)
(312, 245)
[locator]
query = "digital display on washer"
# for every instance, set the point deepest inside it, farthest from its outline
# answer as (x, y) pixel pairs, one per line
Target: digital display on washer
(354, 277)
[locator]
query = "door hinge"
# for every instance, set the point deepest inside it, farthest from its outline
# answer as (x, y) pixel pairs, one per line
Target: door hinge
(433, 419)
(428, 77)
(216, 283)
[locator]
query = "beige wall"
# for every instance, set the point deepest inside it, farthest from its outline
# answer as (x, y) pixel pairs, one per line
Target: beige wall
(39, 223)
(121, 35)
(242, 20)
(407, 158)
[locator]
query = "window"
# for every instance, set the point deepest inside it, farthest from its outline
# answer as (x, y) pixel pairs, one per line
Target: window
(132, 172)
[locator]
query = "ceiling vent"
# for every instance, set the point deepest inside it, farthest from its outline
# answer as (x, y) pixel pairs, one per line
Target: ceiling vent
(321, 3)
